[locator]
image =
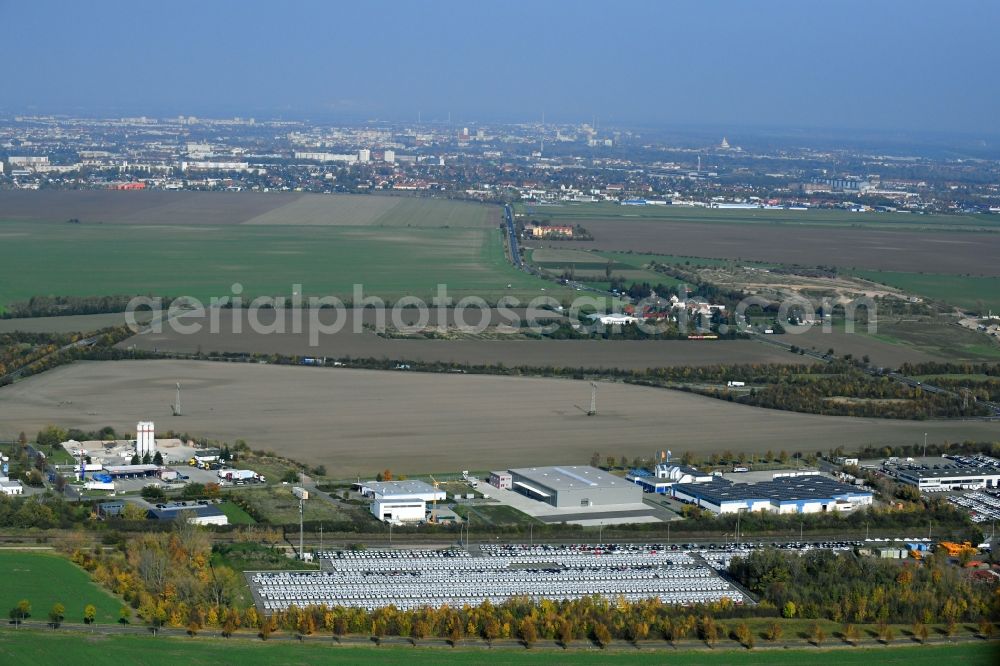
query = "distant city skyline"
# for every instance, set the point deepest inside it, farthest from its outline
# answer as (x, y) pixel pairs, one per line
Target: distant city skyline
(912, 66)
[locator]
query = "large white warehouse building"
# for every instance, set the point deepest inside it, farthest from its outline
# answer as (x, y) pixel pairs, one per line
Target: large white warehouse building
(798, 494)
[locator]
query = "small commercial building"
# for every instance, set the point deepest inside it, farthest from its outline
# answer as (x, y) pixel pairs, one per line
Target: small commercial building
(803, 494)
(400, 490)
(399, 511)
(110, 509)
(574, 486)
(197, 515)
(665, 476)
(131, 471)
(502, 480)
(8, 487)
(613, 319)
(949, 477)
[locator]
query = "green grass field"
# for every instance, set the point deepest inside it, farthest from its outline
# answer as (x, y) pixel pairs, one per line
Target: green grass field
(205, 261)
(41, 647)
(276, 505)
(971, 292)
(580, 212)
(939, 337)
(46, 579)
(591, 267)
(381, 211)
(235, 514)
(495, 514)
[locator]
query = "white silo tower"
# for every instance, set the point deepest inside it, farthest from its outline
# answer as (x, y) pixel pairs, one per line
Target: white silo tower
(145, 441)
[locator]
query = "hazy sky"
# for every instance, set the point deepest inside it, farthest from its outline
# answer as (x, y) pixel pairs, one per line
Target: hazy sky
(907, 64)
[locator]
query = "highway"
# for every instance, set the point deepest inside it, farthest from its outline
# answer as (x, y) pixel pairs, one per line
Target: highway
(518, 260)
(16, 374)
(515, 251)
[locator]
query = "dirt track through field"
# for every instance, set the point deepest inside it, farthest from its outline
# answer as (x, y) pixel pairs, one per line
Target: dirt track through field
(360, 422)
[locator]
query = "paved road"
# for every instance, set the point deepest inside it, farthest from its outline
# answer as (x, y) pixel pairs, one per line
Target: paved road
(515, 251)
(16, 374)
(610, 515)
(518, 260)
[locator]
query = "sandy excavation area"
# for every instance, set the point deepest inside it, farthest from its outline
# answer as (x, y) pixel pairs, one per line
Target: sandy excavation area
(362, 421)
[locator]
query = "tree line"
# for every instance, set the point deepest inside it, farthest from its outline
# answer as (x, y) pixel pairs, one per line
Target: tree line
(848, 588)
(170, 579)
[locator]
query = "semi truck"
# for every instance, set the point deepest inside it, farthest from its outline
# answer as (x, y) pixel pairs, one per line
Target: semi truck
(240, 475)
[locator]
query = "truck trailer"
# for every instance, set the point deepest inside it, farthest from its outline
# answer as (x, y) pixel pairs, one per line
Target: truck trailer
(240, 475)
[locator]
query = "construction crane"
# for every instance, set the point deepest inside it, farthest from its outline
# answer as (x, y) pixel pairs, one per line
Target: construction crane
(593, 399)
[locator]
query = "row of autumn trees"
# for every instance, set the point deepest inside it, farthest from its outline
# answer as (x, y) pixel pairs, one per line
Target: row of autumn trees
(594, 619)
(33, 353)
(847, 588)
(20, 349)
(169, 579)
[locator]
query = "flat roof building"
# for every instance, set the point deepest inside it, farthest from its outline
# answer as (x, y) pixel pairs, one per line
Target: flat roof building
(400, 490)
(400, 511)
(199, 514)
(574, 486)
(110, 509)
(129, 471)
(799, 494)
(501, 480)
(950, 477)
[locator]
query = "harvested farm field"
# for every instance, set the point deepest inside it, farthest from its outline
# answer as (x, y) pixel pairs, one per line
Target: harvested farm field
(360, 422)
(858, 344)
(946, 252)
(622, 354)
(69, 323)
